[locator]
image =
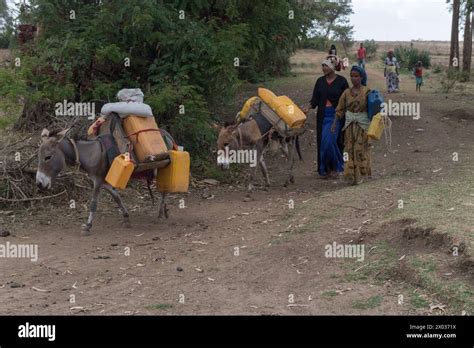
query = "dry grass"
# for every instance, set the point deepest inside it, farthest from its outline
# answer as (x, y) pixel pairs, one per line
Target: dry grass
(434, 47)
(4, 55)
(307, 61)
(439, 50)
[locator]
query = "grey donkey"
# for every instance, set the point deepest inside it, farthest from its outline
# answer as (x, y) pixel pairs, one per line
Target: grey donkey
(57, 150)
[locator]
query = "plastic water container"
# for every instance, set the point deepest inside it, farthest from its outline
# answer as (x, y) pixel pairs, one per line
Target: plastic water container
(285, 108)
(290, 112)
(146, 138)
(269, 98)
(175, 177)
(244, 113)
(376, 127)
(120, 172)
(374, 103)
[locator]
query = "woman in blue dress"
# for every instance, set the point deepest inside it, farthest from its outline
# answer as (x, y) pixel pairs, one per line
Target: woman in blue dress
(327, 91)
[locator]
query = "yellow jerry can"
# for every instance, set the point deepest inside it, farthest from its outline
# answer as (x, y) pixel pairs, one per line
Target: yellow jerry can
(120, 171)
(376, 127)
(285, 108)
(244, 113)
(290, 112)
(174, 177)
(146, 138)
(269, 98)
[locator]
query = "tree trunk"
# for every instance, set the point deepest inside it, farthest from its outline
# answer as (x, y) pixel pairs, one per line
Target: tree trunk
(454, 49)
(467, 44)
(34, 116)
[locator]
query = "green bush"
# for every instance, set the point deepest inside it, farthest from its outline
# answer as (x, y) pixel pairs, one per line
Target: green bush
(5, 39)
(370, 48)
(437, 68)
(184, 112)
(409, 56)
(448, 82)
(196, 61)
(317, 43)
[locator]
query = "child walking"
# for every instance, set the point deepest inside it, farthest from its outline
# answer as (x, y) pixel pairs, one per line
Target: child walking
(419, 75)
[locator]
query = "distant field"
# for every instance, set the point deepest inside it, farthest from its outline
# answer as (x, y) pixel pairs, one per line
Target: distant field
(439, 50)
(4, 54)
(435, 47)
(304, 61)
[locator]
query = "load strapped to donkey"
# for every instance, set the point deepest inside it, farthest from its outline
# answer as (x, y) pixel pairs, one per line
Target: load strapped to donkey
(135, 145)
(286, 118)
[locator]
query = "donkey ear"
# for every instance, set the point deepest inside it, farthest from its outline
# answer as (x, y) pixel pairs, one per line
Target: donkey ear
(232, 127)
(44, 134)
(215, 126)
(228, 124)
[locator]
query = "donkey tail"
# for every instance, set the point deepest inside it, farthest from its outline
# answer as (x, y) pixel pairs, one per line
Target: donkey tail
(149, 181)
(298, 149)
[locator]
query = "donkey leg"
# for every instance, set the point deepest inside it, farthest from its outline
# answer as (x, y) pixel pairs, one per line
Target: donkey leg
(163, 210)
(284, 148)
(86, 228)
(253, 170)
(263, 168)
(115, 195)
(291, 159)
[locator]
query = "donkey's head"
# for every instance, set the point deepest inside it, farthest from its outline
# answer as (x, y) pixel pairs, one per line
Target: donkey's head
(226, 141)
(51, 159)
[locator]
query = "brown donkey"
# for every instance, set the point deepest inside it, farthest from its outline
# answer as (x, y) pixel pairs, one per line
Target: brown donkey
(255, 135)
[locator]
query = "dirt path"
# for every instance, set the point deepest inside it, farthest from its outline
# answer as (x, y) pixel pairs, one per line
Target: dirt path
(224, 255)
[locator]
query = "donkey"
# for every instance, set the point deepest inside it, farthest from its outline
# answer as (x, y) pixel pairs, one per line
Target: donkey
(248, 135)
(57, 149)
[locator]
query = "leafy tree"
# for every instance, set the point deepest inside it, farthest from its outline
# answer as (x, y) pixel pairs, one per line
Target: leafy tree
(330, 23)
(6, 25)
(185, 55)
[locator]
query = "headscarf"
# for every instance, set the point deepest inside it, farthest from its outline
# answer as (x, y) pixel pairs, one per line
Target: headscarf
(332, 62)
(362, 73)
(329, 64)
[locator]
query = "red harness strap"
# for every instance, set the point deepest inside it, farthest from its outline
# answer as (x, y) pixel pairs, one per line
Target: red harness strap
(141, 131)
(162, 132)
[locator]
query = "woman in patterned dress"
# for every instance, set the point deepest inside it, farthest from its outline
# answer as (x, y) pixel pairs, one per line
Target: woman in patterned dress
(391, 72)
(353, 105)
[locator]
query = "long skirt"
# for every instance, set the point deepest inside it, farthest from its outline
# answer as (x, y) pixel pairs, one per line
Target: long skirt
(392, 82)
(329, 153)
(357, 153)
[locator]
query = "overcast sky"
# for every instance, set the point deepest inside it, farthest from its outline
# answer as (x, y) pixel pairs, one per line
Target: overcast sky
(392, 20)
